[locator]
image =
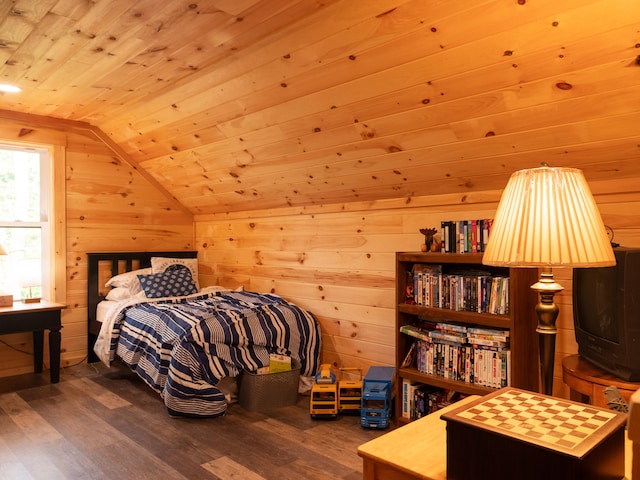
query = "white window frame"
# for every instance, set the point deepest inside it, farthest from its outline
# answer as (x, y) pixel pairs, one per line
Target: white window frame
(47, 209)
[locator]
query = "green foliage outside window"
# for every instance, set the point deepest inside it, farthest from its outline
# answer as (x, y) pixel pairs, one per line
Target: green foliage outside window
(21, 215)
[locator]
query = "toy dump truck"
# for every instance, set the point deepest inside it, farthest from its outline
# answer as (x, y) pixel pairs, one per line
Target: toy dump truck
(324, 394)
(377, 397)
(350, 393)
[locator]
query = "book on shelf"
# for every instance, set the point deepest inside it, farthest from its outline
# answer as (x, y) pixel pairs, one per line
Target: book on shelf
(452, 327)
(486, 342)
(446, 239)
(410, 297)
(410, 357)
(448, 337)
(488, 332)
(415, 331)
(408, 390)
(421, 402)
(443, 397)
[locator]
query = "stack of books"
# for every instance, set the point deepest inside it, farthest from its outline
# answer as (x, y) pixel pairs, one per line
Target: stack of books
(419, 399)
(468, 290)
(477, 355)
(465, 236)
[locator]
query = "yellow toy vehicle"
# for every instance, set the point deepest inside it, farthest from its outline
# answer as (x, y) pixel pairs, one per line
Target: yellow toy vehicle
(324, 394)
(330, 397)
(350, 393)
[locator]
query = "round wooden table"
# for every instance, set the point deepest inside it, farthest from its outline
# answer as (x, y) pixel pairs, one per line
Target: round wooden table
(587, 382)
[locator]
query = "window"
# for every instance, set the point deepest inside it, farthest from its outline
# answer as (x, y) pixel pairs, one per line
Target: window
(25, 232)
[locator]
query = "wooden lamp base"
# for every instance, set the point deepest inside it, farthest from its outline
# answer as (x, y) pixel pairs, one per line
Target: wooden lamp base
(6, 300)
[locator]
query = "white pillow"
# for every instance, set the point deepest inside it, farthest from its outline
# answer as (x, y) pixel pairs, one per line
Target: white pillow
(121, 293)
(160, 264)
(129, 280)
(118, 293)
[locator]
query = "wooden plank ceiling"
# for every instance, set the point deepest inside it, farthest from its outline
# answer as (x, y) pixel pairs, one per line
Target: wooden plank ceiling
(238, 105)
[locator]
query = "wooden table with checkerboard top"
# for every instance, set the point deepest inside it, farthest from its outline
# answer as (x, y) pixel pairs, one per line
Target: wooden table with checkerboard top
(514, 433)
(418, 450)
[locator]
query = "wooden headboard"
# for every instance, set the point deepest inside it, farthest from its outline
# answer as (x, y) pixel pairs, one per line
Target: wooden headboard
(103, 266)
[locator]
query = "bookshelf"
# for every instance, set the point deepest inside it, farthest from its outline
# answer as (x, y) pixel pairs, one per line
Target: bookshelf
(521, 322)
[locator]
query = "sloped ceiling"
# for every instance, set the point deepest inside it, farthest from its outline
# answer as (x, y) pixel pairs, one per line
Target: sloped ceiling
(249, 104)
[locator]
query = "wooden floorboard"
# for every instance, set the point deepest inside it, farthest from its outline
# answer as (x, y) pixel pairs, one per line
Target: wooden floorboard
(104, 423)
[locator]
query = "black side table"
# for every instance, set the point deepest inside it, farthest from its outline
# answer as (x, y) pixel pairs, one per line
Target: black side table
(36, 318)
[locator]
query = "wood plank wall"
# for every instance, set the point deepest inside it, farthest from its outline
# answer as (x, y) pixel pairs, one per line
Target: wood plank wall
(338, 262)
(110, 206)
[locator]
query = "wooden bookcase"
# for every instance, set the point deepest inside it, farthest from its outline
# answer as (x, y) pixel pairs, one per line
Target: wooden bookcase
(521, 322)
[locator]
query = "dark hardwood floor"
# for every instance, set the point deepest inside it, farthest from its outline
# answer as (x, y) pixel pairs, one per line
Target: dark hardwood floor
(101, 423)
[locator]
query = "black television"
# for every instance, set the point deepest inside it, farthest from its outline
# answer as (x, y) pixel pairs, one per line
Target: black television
(606, 314)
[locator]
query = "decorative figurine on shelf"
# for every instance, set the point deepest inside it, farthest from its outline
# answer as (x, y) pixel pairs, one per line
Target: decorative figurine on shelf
(429, 236)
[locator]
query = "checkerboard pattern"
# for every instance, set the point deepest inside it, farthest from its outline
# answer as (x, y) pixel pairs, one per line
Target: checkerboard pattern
(538, 418)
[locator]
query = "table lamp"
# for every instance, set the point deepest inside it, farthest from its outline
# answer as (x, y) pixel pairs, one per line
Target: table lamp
(31, 277)
(548, 218)
(6, 298)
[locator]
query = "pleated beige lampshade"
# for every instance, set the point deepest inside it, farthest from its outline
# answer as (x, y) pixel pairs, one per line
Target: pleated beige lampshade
(547, 216)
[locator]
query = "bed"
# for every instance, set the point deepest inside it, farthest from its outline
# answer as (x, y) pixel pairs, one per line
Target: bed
(147, 310)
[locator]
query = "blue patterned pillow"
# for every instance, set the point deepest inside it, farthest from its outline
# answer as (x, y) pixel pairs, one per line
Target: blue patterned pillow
(175, 281)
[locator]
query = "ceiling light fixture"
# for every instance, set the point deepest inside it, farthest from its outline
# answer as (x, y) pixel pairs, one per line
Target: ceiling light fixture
(5, 87)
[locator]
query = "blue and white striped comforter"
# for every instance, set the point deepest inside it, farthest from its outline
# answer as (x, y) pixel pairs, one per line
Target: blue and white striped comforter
(183, 347)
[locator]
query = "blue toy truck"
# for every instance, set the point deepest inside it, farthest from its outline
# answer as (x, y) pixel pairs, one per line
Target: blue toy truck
(377, 397)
